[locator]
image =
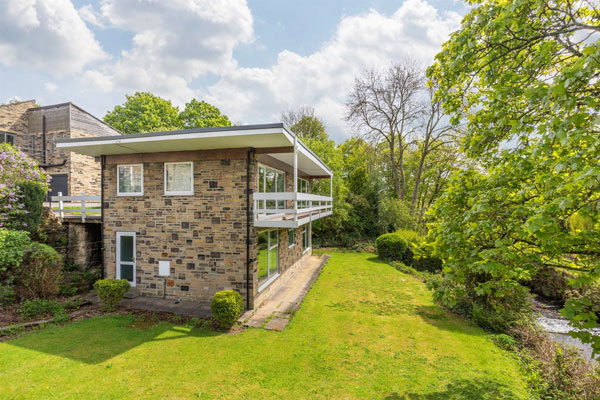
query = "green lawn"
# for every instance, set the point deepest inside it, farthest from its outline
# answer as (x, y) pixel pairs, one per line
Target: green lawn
(365, 330)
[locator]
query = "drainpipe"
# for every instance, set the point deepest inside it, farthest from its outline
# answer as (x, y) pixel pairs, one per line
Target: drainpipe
(44, 139)
(248, 222)
(102, 165)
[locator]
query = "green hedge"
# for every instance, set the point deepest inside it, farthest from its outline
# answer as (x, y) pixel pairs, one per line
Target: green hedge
(33, 198)
(40, 272)
(401, 245)
(227, 307)
(111, 292)
(13, 245)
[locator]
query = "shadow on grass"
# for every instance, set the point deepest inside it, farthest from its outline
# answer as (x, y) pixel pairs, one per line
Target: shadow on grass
(442, 319)
(483, 389)
(96, 340)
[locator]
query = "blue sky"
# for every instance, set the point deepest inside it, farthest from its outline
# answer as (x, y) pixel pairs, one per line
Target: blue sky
(252, 59)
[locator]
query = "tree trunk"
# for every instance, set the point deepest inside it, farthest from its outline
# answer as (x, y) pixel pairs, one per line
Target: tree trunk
(418, 181)
(403, 191)
(395, 171)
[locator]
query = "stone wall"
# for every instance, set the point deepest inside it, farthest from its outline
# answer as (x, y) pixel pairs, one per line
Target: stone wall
(13, 118)
(202, 235)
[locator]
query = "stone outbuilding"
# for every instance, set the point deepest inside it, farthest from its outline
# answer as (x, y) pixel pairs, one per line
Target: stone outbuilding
(188, 213)
(35, 131)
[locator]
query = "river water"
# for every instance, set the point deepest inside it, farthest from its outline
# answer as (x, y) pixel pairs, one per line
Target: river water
(558, 327)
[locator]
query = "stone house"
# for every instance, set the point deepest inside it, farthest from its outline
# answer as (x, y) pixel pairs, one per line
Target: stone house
(188, 213)
(35, 131)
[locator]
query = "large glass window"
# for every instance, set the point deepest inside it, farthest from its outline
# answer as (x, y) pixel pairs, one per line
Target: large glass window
(7, 138)
(291, 238)
(303, 188)
(268, 256)
(130, 180)
(179, 178)
(305, 237)
(271, 180)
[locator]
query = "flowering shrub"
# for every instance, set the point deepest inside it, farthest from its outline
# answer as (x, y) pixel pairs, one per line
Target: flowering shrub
(16, 168)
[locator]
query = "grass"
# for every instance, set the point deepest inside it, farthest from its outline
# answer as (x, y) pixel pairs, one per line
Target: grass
(365, 330)
(94, 210)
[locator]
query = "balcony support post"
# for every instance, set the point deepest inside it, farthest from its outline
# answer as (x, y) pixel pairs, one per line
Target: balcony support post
(295, 202)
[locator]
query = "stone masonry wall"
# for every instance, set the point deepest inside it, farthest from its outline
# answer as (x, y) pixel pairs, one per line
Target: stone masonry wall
(203, 235)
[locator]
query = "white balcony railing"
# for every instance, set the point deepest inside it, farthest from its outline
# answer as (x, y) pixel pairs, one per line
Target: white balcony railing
(76, 207)
(289, 209)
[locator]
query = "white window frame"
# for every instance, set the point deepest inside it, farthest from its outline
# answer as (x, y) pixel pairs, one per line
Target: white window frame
(178, 193)
(278, 171)
(118, 256)
(307, 228)
(119, 193)
(293, 238)
(271, 247)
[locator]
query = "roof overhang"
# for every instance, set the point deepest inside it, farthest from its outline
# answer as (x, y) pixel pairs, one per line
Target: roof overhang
(245, 136)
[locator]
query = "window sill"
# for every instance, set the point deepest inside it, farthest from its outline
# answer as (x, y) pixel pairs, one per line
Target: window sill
(292, 245)
(130, 194)
(268, 282)
(305, 250)
(178, 194)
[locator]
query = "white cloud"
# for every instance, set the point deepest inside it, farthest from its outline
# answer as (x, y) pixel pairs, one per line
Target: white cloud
(174, 43)
(46, 34)
(50, 87)
(324, 78)
(89, 15)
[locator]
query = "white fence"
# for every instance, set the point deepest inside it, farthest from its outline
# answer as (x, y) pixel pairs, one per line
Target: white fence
(75, 206)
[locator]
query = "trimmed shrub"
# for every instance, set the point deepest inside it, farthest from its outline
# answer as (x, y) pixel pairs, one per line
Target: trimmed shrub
(111, 292)
(32, 196)
(393, 247)
(35, 307)
(398, 246)
(7, 295)
(40, 273)
(227, 307)
(13, 245)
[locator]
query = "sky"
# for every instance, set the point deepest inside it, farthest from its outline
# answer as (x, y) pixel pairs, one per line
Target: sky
(253, 59)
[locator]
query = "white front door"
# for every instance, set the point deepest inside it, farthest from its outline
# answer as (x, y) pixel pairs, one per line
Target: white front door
(126, 256)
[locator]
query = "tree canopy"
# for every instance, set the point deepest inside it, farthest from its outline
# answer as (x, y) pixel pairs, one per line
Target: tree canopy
(200, 114)
(144, 112)
(524, 76)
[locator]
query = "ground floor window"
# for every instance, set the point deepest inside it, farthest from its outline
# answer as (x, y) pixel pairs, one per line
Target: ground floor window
(291, 238)
(126, 256)
(268, 256)
(305, 237)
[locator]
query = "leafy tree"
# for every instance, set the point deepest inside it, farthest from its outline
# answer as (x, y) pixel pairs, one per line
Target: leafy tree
(384, 107)
(525, 75)
(144, 112)
(200, 114)
(305, 124)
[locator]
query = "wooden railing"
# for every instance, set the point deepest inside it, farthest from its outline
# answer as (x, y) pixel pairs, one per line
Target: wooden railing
(74, 206)
(289, 209)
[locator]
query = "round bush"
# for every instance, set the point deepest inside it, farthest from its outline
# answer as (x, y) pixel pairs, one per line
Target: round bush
(111, 292)
(40, 272)
(13, 245)
(394, 247)
(227, 307)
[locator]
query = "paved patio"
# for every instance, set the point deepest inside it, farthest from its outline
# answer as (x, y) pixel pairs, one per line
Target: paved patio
(184, 308)
(276, 311)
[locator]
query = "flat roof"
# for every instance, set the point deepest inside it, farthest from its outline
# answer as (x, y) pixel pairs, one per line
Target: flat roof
(242, 136)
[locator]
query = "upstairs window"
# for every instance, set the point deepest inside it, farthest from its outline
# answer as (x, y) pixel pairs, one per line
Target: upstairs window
(179, 178)
(7, 138)
(130, 180)
(303, 188)
(32, 145)
(271, 180)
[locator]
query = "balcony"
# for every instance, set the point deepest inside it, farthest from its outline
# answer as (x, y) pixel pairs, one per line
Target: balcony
(289, 209)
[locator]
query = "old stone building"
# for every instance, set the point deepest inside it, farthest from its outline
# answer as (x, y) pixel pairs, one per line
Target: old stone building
(35, 130)
(188, 213)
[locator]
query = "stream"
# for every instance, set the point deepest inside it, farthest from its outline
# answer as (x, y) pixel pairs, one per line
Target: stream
(558, 326)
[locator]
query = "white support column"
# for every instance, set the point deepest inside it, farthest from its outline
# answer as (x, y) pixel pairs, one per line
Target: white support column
(295, 180)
